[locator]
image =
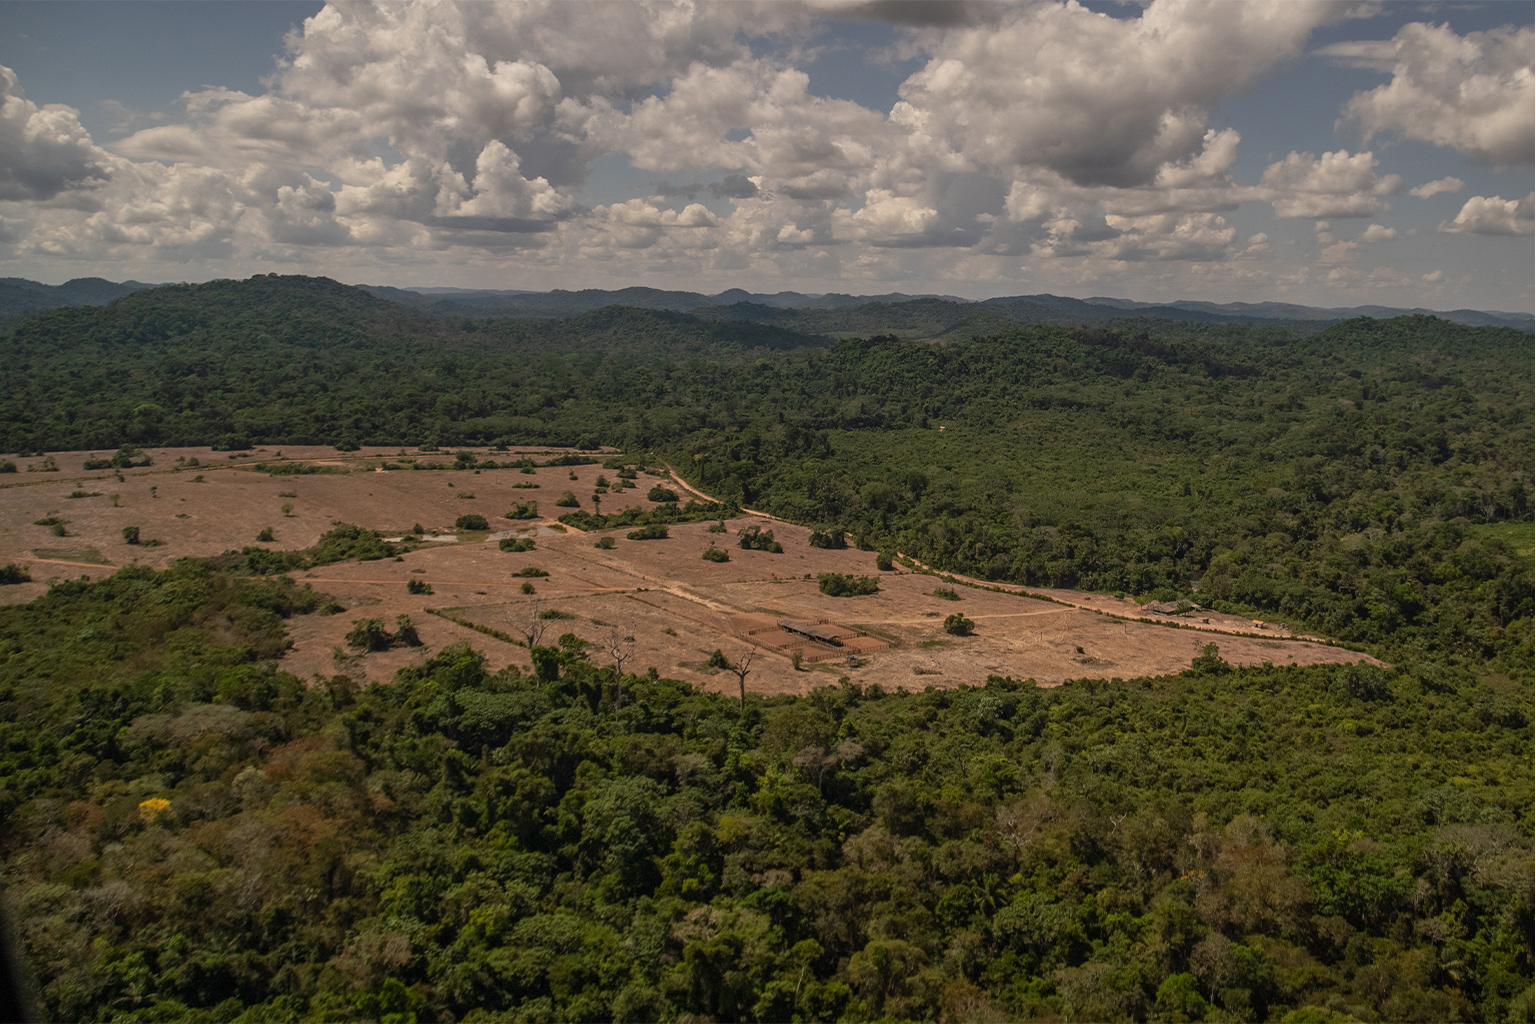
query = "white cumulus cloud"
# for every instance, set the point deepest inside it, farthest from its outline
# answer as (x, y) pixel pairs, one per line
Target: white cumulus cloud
(43, 150)
(1096, 99)
(1473, 93)
(1439, 185)
(1333, 185)
(1492, 216)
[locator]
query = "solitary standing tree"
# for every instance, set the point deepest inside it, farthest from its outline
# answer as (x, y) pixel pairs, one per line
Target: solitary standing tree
(532, 627)
(741, 666)
(621, 647)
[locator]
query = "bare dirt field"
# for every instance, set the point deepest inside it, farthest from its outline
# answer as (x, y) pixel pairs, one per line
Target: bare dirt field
(678, 607)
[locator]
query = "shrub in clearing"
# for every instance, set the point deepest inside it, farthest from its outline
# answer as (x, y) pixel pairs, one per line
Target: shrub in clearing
(527, 588)
(265, 536)
(369, 635)
(835, 584)
(755, 538)
(516, 545)
(568, 500)
(660, 493)
(417, 587)
(526, 510)
(883, 562)
(959, 625)
(606, 543)
(714, 554)
(716, 528)
(471, 522)
(130, 534)
(834, 541)
(14, 573)
(531, 572)
(653, 532)
(946, 595)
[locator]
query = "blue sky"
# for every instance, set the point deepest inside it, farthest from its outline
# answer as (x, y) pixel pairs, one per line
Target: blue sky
(1326, 153)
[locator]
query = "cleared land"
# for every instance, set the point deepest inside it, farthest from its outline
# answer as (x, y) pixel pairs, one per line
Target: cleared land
(678, 607)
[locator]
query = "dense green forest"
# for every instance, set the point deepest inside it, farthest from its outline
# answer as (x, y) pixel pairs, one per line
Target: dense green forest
(192, 835)
(188, 833)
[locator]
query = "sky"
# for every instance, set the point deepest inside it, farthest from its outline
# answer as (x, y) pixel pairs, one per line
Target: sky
(1326, 153)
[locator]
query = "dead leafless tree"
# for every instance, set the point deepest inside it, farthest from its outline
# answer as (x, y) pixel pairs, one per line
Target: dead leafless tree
(741, 666)
(532, 626)
(621, 647)
(1018, 822)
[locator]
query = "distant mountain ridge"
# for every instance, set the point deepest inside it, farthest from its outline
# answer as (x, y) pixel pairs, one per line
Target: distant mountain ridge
(832, 313)
(738, 303)
(18, 296)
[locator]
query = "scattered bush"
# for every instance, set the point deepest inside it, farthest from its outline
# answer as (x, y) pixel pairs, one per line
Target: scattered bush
(883, 562)
(959, 625)
(833, 541)
(532, 572)
(718, 660)
(653, 532)
(660, 493)
(605, 543)
(835, 584)
(471, 522)
(714, 554)
(755, 538)
(7, 467)
(693, 512)
(14, 573)
(405, 632)
(369, 635)
(124, 459)
(525, 510)
(265, 536)
(417, 587)
(516, 545)
(1209, 662)
(945, 594)
(555, 613)
(568, 500)
(130, 535)
(527, 588)
(716, 528)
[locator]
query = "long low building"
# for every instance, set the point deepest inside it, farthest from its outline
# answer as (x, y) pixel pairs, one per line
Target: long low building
(816, 633)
